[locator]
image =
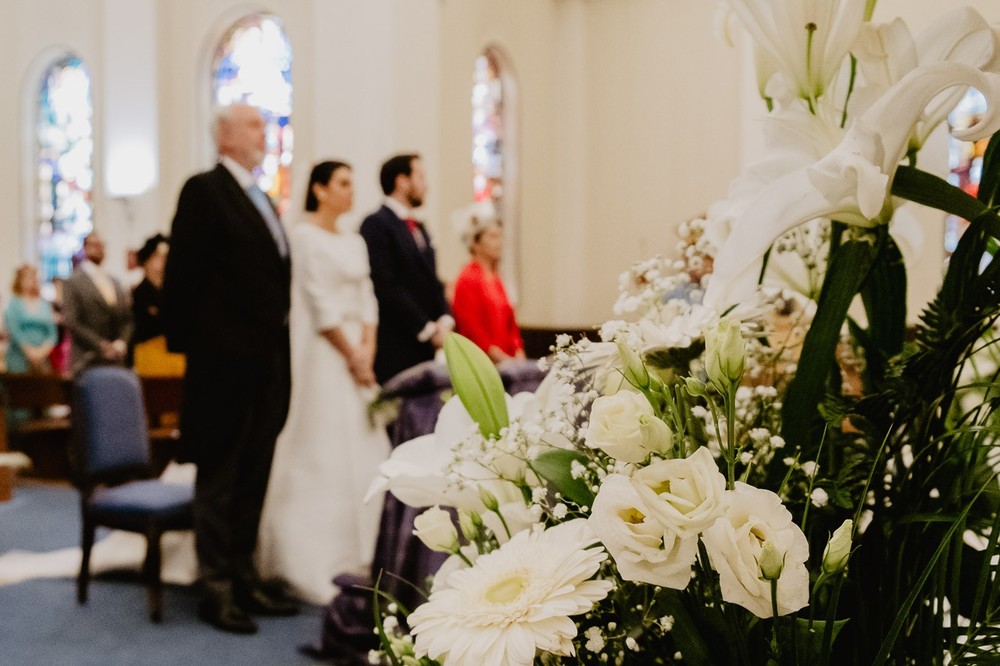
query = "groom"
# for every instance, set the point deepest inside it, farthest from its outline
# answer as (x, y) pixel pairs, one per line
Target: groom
(226, 295)
(413, 314)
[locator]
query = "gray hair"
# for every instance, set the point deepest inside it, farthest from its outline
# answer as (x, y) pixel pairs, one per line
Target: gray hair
(222, 115)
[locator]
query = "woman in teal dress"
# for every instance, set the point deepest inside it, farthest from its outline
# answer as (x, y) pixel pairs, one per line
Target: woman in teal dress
(31, 328)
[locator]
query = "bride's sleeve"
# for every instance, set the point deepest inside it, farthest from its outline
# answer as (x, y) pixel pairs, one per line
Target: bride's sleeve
(318, 285)
(369, 304)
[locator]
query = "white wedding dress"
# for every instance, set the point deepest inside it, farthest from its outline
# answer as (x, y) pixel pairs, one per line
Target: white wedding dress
(315, 524)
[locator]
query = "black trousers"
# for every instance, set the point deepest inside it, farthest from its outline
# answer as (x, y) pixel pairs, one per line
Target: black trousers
(233, 411)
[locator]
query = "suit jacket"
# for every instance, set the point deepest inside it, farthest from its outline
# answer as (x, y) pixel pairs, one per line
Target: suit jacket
(226, 288)
(407, 288)
(91, 320)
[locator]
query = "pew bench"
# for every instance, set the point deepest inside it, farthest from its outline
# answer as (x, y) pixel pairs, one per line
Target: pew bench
(41, 426)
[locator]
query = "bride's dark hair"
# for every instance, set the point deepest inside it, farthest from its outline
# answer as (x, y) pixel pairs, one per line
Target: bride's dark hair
(321, 174)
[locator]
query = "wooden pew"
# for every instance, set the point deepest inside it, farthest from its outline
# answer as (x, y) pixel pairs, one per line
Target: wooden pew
(44, 435)
(41, 427)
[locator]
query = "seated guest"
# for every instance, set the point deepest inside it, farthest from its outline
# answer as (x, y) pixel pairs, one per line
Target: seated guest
(149, 341)
(480, 306)
(31, 328)
(97, 311)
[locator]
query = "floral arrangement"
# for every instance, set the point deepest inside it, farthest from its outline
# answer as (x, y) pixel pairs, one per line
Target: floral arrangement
(757, 464)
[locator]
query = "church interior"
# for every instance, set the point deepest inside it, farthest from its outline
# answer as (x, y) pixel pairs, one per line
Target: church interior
(595, 126)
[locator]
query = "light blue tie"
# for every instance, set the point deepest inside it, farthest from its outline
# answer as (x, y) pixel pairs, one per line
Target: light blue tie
(263, 204)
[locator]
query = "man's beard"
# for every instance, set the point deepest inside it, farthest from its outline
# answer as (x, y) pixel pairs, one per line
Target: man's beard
(414, 200)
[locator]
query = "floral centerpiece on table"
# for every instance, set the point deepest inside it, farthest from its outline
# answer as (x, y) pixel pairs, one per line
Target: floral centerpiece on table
(713, 482)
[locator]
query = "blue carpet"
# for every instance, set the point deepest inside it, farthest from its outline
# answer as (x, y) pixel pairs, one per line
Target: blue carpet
(41, 623)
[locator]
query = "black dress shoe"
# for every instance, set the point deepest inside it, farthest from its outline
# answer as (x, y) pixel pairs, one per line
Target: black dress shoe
(259, 601)
(226, 616)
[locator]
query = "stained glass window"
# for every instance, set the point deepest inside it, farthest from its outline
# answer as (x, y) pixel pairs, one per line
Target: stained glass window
(965, 160)
(64, 153)
(253, 65)
(487, 131)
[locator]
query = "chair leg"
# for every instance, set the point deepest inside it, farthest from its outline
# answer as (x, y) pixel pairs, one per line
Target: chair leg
(87, 542)
(151, 570)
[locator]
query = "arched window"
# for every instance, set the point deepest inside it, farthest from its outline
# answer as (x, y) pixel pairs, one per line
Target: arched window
(493, 159)
(253, 64)
(64, 155)
(965, 160)
(487, 130)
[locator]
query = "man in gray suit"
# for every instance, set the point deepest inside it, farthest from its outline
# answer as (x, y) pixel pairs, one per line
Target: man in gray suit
(97, 311)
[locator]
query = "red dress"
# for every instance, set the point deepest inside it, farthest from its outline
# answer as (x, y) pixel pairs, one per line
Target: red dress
(482, 312)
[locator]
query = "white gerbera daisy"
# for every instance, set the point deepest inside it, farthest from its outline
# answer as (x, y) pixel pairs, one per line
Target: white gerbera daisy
(515, 600)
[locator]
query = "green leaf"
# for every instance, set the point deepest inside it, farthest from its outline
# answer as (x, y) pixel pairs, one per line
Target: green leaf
(555, 466)
(685, 631)
(989, 179)
(884, 297)
(849, 266)
(809, 642)
(477, 384)
(927, 189)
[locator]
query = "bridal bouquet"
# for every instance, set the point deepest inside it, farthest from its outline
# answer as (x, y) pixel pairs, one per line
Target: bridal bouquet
(758, 463)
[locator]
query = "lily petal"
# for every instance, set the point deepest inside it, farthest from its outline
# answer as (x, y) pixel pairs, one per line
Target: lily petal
(851, 183)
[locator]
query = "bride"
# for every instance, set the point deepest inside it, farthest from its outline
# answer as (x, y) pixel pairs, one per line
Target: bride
(314, 524)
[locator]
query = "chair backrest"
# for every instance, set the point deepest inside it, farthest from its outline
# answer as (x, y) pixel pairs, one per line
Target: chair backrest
(109, 420)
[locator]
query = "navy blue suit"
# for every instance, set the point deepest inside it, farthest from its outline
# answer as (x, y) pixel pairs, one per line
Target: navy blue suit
(408, 290)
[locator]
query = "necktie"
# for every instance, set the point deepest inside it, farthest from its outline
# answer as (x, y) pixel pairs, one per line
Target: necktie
(414, 228)
(105, 286)
(263, 204)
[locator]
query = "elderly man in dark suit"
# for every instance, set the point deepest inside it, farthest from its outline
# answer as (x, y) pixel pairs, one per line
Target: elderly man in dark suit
(225, 306)
(97, 311)
(413, 313)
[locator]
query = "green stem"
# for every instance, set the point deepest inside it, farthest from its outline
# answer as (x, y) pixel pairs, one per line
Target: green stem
(775, 643)
(503, 522)
(869, 9)
(458, 551)
(831, 617)
(731, 436)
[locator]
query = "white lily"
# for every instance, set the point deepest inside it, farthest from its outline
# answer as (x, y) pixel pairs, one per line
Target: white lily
(850, 184)
(888, 52)
(423, 471)
(803, 41)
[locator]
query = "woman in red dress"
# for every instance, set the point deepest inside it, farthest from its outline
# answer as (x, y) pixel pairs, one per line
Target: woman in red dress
(480, 305)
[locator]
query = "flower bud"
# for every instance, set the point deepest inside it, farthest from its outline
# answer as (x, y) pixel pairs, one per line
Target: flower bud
(771, 562)
(488, 499)
(656, 435)
(435, 529)
(469, 525)
(725, 354)
(635, 370)
(838, 550)
(694, 387)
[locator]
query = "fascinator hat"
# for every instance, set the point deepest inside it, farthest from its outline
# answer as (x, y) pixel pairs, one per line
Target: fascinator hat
(151, 245)
(470, 221)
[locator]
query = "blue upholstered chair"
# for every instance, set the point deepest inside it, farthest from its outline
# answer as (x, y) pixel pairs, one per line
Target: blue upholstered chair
(110, 430)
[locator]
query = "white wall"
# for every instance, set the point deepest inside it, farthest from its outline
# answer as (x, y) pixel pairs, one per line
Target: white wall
(632, 117)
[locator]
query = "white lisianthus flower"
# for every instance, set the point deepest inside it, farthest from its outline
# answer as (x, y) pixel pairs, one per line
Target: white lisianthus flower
(435, 529)
(645, 550)
(514, 601)
(616, 426)
(735, 543)
(685, 495)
